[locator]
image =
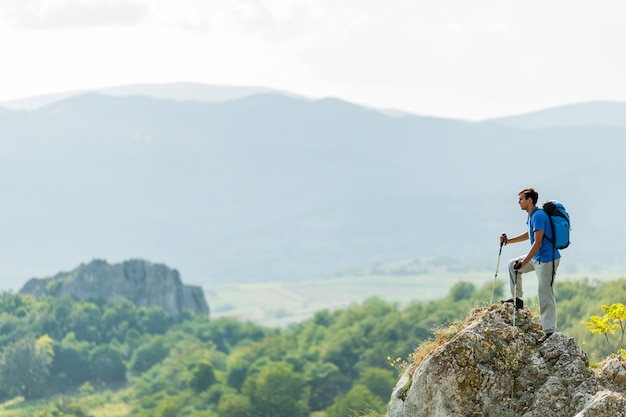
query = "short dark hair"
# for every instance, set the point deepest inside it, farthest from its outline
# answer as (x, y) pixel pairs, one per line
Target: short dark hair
(530, 193)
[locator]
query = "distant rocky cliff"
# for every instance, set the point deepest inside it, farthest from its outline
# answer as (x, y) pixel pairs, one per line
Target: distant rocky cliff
(486, 367)
(142, 282)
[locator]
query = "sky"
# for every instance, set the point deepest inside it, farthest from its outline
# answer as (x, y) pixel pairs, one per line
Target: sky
(467, 59)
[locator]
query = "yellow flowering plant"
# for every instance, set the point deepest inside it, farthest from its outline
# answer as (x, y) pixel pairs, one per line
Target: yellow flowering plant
(614, 319)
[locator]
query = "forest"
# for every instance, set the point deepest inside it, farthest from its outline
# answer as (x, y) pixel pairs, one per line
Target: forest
(71, 358)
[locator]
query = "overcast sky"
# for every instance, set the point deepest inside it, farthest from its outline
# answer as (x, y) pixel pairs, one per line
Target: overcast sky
(471, 59)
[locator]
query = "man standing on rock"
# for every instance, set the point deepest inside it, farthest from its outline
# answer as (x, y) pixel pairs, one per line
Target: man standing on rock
(542, 258)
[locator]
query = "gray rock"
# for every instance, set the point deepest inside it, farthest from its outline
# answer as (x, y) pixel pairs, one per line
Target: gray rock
(142, 282)
(489, 368)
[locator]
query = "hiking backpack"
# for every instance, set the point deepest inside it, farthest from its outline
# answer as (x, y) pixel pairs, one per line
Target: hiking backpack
(559, 219)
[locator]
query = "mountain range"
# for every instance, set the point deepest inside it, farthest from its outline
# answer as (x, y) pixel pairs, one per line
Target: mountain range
(259, 185)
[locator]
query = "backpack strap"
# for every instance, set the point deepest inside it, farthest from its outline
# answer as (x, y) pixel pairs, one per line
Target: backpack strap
(553, 242)
(553, 251)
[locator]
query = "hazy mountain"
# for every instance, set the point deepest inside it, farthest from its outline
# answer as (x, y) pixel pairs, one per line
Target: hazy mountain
(597, 113)
(272, 187)
(172, 91)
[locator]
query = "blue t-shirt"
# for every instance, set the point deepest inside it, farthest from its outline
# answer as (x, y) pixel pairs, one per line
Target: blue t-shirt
(538, 220)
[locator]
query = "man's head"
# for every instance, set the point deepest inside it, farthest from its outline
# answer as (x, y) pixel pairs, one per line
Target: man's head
(529, 193)
(527, 199)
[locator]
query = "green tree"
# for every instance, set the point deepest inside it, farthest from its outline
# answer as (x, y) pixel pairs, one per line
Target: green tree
(25, 367)
(154, 320)
(325, 381)
(168, 407)
(107, 365)
(277, 391)
(238, 365)
(617, 314)
(50, 325)
(149, 384)
(343, 348)
(71, 362)
(462, 291)
(227, 332)
(132, 339)
(202, 377)
(235, 406)
(379, 382)
(17, 305)
(117, 317)
(149, 354)
(85, 321)
(11, 328)
(359, 401)
(614, 319)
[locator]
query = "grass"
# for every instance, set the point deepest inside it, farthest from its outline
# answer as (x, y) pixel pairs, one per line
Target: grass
(112, 410)
(103, 404)
(17, 407)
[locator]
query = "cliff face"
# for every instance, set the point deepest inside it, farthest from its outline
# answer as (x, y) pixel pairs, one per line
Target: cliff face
(486, 367)
(142, 282)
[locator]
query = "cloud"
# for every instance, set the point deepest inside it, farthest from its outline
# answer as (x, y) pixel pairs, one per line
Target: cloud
(274, 20)
(59, 14)
(454, 58)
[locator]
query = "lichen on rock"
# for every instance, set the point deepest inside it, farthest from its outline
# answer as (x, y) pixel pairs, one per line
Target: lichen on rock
(491, 368)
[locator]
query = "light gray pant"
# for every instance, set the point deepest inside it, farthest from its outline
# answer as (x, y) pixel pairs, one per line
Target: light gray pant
(545, 292)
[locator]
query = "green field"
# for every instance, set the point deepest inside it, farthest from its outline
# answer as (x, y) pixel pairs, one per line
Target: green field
(284, 303)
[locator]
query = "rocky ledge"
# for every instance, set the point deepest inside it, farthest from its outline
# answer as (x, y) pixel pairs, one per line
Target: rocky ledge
(484, 366)
(142, 282)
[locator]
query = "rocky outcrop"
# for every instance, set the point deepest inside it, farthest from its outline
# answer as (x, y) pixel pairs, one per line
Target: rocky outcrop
(142, 282)
(486, 367)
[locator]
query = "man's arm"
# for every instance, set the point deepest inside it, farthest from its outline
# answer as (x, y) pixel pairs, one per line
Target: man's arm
(534, 248)
(519, 238)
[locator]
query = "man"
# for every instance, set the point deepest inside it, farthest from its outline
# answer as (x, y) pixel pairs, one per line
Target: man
(542, 258)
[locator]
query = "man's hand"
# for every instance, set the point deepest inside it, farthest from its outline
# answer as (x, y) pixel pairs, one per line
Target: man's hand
(517, 265)
(503, 239)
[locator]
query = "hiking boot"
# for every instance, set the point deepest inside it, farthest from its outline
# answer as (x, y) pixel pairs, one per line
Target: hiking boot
(544, 338)
(519, 303)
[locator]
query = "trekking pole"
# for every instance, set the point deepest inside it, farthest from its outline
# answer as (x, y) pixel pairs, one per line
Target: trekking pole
(493, 289)
(515, 297)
